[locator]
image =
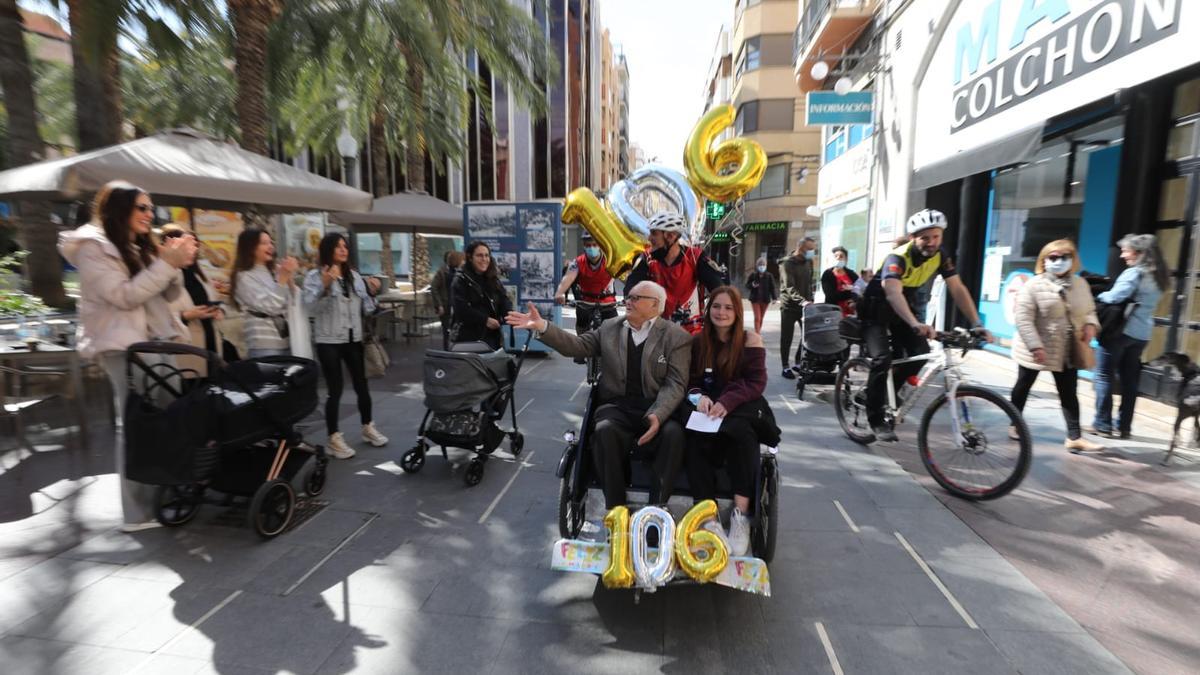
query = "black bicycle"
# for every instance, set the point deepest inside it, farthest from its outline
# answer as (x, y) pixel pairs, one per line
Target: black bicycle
(593, 362)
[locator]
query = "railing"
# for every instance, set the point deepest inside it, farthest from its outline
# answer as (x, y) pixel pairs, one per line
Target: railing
(814, 12)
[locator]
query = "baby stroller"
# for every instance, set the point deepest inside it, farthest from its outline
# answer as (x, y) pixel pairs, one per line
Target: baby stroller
(228, 429)
(466, 392)
(823, 348)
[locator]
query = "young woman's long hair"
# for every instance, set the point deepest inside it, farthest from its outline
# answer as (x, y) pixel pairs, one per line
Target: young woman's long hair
(491, 275)
(173, 231)
(722, 357)
(243, 261)
(114, 206)
(325, 251)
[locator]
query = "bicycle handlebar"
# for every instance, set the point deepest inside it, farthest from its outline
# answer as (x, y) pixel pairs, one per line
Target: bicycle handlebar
(961, 338)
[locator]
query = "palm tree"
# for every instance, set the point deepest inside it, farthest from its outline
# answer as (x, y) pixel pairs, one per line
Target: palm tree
(94, 28)
(42, 267)
(252, 21)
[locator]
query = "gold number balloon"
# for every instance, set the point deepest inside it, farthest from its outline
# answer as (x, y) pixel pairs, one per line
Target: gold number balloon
(620, 246)
(620, 566)
(689, 535)
(704, 163)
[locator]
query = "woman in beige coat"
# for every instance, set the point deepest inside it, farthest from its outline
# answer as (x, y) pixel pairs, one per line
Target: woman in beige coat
(1053, 309)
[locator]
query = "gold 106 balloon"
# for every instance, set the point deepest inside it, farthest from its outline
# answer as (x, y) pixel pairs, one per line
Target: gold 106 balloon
(678, 545)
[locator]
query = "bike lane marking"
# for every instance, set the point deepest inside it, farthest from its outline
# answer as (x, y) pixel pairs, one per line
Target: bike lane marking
(507, 485)
(846, 516)
(329, 555)
(787, 403)
(522, 408)
(938, 582)
(186, 631)
(581, 385)
(829, 653)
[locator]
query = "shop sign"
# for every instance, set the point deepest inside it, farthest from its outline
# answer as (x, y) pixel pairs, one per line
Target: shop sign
(773, 226)
(847, 177)
(830, 107)
(1006, 65)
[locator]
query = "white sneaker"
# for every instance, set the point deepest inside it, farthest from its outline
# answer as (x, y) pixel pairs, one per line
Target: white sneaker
(739, 533)
(337, 447)
(138, 527)
(1012, 433)
(372, 436)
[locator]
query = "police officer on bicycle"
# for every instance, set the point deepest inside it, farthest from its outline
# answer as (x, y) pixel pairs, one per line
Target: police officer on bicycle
(593, 285)
(888, 304)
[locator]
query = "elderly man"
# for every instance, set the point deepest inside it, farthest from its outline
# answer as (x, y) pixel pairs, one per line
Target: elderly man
(644, 372)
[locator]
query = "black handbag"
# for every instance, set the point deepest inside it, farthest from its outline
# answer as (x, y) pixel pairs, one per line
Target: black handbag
(1114, 315)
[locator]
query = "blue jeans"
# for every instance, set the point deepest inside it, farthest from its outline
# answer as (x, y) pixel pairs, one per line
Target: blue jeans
(1121, 359)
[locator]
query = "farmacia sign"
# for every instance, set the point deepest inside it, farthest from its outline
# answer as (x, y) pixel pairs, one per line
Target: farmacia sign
(1083, 37)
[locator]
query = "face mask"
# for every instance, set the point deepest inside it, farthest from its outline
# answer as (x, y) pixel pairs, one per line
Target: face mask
(592, 252)
(841, 264)
(761, 268)
(809, 255)
(1058, 267)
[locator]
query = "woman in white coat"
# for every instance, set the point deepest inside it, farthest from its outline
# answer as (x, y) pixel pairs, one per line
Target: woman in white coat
(1056, 322)
(126, 284)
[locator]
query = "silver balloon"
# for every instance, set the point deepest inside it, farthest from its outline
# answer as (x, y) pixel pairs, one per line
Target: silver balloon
(653, 189)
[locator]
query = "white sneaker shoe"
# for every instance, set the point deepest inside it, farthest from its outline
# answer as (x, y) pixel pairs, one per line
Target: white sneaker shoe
(372, 436)
(1014, 434)
(337, 447)
(739, 533)
(129, 528)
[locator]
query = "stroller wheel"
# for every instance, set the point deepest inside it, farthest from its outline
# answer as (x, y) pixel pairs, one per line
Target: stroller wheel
(177, 504)
(312, 479)
(516, 443)
(800, 388)
(474, 473)
(272, 508)
(413, 460)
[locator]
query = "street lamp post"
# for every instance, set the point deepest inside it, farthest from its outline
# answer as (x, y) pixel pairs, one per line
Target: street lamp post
(348, 148)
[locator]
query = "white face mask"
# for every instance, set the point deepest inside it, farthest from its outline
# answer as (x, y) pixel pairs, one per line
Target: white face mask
(762, 268)
(1058, 267)
(840, 264)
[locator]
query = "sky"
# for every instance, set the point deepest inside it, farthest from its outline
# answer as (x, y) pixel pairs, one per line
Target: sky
(668, 45)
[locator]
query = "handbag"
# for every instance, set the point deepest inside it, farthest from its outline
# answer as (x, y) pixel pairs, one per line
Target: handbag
(1080, 355)
(1114, 316)
(375, 357)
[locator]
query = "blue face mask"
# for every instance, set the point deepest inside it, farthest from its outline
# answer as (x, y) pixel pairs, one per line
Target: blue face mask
(592, 252)
(809, 255)
(762, 268)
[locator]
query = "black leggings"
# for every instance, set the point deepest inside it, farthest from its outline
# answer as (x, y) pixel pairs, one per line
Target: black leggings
(789, 317)
(735, 446)
(331, 358)
(1066, 381)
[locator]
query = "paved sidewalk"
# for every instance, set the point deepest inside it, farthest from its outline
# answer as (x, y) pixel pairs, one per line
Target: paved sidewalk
(413, 573)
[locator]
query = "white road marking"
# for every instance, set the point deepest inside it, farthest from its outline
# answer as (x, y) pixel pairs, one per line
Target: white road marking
(938, 582)
(787, 403)
(842, 510)
(581, 386)
(829, 653)
(329, 555)
(529, 371)
(187, 631)
(507, 485)
(522, 408)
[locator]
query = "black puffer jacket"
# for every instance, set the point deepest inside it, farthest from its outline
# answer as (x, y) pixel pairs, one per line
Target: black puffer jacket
(475, 299)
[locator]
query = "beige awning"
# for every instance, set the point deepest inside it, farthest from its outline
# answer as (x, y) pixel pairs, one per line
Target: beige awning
(183, 167)
(406, 212)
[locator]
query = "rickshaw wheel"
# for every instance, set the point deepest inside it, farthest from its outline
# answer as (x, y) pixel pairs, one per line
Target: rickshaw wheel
(272, 508)
(767, 529)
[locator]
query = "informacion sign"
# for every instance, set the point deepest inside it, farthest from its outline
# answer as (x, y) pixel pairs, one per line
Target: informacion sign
(830, 107)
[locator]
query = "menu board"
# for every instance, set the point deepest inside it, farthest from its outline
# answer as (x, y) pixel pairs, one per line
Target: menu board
(218, 232)
(526, 242)
(302, 233)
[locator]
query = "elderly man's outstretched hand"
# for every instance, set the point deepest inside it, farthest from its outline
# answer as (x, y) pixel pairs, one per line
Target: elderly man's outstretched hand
(531, 321)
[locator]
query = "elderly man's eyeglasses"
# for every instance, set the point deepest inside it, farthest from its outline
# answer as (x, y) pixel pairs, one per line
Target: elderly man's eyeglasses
(635, 298)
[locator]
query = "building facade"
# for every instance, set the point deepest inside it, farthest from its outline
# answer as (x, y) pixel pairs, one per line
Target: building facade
(1026, 123)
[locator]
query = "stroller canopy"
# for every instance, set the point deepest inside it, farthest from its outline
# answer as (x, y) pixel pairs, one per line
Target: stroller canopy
(458, 381)
(820, 329)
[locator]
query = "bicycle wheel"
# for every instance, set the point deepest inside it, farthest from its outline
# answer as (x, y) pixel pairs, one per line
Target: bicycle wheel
(981, 461)
(849, 400)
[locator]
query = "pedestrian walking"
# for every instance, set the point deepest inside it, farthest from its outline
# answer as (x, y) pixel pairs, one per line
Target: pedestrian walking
(478, 298)
(1120, 356)
(337, 297)
(837, 283)
(263, 291)
(126, 283)
(760, 287)
(440, 286)
(796, 272)
(1056, 323)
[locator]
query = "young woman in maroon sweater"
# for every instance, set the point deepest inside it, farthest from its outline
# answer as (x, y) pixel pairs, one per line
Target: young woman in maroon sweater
(738, 364)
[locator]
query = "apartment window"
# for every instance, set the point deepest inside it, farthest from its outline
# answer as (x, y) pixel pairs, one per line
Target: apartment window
(773, 114)
(842, 138)
(774, 183)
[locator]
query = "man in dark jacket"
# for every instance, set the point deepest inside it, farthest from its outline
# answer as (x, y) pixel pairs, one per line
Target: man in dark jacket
(440, 288)
(796, 271)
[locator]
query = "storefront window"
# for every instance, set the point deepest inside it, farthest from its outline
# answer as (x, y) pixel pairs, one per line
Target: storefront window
(845, 225)
(1069, 188)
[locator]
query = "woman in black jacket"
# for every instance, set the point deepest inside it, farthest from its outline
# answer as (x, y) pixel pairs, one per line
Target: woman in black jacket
(478, 298)
(838, 283)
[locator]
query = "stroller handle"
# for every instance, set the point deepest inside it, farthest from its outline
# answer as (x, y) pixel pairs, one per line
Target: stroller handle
(160, 347)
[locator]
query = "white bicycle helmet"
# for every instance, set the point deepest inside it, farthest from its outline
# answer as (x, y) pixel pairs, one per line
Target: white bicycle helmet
(926, 219)
(668, 221)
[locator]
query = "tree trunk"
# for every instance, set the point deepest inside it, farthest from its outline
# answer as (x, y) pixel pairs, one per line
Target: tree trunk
(34, 231)
(379, 185)
(251, 21)
(414, 160)
(97, 79)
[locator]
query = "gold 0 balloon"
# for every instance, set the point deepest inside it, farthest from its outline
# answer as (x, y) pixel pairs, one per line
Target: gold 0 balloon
(689, 535)
(620, 246)
(704, 163)
(620, 565)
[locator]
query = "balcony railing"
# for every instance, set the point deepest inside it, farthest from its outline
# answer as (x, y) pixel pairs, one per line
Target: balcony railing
(814, 12)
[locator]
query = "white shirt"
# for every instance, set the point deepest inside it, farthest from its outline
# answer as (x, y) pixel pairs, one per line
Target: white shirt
(640, 334)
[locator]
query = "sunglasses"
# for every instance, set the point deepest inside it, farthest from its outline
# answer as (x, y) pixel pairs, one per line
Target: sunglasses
(144, 208)
(1056, 257)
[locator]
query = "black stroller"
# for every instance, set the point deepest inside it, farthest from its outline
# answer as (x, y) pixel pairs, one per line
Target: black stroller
(466, 392)
(823, 348)
(228, 428)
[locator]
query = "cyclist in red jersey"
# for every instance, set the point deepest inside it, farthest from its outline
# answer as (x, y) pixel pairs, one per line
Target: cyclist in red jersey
(686, 272)
(593, 284)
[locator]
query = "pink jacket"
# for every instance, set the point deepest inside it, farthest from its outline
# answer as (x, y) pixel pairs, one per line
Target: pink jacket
(116, 310)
